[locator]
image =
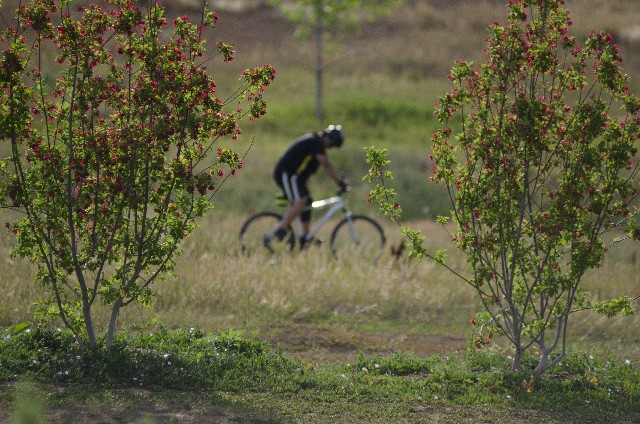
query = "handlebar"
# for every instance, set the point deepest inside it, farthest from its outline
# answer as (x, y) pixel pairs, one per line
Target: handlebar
(343, 190)
(344, 185)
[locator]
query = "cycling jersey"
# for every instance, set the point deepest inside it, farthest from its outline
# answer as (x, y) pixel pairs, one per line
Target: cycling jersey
(301, 158)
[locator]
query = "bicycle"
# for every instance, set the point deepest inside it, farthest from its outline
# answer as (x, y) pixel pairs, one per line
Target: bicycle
(353, 234)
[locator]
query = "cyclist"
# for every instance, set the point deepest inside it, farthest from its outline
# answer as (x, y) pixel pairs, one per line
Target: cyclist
(293, 170)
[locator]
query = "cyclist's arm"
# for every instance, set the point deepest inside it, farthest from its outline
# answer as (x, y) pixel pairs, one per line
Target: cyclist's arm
(331, 170)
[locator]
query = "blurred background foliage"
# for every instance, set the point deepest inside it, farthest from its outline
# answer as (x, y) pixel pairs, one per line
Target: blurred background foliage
(380, 84)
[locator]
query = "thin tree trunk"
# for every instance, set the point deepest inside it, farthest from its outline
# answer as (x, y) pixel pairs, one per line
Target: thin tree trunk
(517, 359)
(115, 311)
(319, 66)
(88, 322)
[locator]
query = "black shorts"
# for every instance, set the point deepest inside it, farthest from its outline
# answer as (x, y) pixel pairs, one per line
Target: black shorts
(294, 189)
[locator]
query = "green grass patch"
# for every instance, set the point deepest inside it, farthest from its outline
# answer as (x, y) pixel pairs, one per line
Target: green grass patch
(186, 359)
(230, 371)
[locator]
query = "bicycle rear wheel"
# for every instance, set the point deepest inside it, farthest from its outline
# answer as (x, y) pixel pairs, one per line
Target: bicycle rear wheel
(254, 229)
(358, 237)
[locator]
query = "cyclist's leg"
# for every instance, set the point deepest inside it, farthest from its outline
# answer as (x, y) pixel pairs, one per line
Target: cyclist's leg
(303, 199)
(278, 231)
(297, 200)
(298, 195)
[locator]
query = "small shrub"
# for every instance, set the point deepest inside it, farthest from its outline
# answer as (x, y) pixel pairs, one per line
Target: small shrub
(401, 363)
(486, 360)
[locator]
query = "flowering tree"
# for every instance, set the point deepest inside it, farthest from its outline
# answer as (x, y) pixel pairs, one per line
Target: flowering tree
(541, 173)
(113, 148)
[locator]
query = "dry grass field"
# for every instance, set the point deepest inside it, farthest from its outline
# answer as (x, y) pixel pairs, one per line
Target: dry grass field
(316, 306)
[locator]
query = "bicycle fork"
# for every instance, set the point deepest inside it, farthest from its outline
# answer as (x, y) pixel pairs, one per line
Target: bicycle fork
(352, 230)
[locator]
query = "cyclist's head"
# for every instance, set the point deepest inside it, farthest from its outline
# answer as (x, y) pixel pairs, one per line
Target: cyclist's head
(335, 134)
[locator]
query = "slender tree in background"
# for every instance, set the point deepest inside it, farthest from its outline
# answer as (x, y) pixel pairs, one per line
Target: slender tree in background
(317, 18)
(541, 169)
(114, 130)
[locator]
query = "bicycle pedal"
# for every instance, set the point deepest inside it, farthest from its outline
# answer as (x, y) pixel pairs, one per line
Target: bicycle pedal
(318, 241)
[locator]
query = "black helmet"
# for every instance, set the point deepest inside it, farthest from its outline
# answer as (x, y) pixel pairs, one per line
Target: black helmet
(335, 134)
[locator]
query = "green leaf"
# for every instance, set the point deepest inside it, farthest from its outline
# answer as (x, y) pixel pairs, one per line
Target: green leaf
(614, 307)
(19, 328)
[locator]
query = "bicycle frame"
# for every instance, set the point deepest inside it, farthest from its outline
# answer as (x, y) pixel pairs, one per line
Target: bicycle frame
(352, 233)
(337, 203)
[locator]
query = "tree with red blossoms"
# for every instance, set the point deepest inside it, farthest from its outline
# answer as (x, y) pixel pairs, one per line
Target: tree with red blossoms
(538, 152)
(113, 148)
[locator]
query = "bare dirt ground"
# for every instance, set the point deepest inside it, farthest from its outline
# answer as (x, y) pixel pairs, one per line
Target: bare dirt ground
(148, 411)
(314, 343)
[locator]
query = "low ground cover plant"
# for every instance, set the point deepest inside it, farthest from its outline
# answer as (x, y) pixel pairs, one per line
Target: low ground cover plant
(187, 359)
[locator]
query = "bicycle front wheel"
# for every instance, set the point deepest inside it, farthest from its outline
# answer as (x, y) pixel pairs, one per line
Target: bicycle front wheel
(256, 227)
(358, 237)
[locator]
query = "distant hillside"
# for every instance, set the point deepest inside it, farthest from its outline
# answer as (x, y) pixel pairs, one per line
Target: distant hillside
(422, 38)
